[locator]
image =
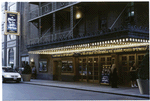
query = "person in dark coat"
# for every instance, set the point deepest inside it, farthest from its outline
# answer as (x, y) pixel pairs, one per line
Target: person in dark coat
(133, 75)
(114, 76)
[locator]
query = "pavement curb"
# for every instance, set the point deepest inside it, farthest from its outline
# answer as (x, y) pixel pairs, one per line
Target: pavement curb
(89, 90)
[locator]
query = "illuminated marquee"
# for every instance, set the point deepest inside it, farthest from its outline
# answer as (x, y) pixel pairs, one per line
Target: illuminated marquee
(12, 23)
(109, 46)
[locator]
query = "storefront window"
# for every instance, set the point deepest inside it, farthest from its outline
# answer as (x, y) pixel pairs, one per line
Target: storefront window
(67, 66)
(43, 66)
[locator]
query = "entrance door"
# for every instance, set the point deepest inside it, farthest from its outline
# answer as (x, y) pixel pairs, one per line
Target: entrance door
(93, 69)
(57, 66)
(82, 69)
(126, 63)
(88, 69)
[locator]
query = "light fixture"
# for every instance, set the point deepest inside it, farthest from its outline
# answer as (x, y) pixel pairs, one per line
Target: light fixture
(78, 15)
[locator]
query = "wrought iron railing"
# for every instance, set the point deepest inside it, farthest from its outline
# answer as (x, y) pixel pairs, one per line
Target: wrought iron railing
(62, 36)
(47, 9)
(58, 36)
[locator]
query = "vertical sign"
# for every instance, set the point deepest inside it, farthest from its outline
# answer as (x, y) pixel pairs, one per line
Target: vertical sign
(12, 23)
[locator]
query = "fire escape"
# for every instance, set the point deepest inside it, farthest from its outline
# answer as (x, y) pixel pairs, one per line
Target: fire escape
(45, 16)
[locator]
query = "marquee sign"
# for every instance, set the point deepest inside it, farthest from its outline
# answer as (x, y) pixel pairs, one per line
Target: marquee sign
(12, 23)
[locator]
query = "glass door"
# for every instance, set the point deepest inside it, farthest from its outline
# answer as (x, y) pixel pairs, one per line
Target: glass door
(93, 69)
(126, 63)
(84, 65)
(90, 70)
(82, 69)
(124, 69)
(96, 70)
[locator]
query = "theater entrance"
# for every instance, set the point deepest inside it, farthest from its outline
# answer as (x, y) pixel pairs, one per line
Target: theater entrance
(90, 68)
(125, 65)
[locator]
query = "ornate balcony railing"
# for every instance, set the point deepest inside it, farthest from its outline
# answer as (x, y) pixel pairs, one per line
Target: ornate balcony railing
(58, 36)
(62, 4)
(49, 7)
(63, 36)
(46, 8)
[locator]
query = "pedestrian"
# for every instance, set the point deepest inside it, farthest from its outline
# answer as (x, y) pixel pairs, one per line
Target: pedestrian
(33, 72)
(133, 75)
(114, 76)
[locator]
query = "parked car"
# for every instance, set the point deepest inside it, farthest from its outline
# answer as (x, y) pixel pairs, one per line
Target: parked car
(9, 74)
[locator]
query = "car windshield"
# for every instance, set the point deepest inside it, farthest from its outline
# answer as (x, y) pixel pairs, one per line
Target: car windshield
(8, 70)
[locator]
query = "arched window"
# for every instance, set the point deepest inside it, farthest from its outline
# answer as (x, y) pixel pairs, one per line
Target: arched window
(11, 56)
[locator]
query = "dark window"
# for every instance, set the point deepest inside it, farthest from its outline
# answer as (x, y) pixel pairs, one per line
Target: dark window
(67, 66)
(102, 59)
(131, 58)
(124, 58)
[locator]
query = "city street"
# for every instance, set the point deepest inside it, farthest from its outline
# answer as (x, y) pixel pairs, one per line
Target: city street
(21, 91)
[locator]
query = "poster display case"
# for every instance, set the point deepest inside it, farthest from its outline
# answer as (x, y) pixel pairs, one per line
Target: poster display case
(105, 75)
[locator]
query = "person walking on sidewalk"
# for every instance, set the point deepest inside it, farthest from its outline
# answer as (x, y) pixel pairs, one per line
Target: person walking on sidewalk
(133, 75)
(114, 76)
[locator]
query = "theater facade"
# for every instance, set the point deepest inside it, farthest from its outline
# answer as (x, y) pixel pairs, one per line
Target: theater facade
(79, 41)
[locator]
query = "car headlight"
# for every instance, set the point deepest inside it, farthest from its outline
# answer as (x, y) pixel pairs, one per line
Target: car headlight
(7, 76)
(19, 76)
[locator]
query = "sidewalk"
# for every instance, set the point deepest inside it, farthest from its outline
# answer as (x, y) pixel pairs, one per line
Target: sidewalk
(125, 91)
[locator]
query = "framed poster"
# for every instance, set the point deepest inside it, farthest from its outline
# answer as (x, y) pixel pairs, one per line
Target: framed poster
(12, 23)
(43, 66)
(105, 75)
